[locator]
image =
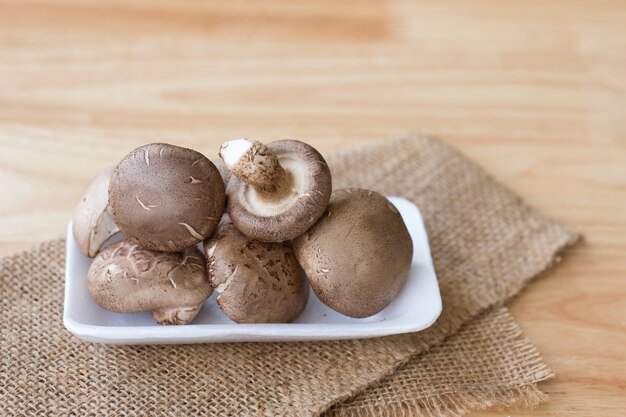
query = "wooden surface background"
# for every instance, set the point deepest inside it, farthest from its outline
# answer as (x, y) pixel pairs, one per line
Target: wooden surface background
(533, 91)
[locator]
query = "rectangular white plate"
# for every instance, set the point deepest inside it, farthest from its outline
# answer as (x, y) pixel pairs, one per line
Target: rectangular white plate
(416, 308)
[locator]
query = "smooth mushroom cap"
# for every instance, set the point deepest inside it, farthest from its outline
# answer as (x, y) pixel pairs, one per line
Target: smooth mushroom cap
(127, 278)
(166, 198)
(223, 169)
(358, 255)
(301, 183)
(92, 224)
(258, 282)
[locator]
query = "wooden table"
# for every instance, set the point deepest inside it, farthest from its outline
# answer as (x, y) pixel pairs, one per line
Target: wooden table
(533, 91)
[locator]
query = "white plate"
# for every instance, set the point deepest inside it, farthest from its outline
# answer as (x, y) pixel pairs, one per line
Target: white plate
(416, 308)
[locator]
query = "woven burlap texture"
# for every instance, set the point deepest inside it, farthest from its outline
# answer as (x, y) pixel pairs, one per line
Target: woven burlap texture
(487, 363)
(486, 245)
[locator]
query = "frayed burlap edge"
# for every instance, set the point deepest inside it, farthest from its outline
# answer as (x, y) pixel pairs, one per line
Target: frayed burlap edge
(458, 405)
(469, 385)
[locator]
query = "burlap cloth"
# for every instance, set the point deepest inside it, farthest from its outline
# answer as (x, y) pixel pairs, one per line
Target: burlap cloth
(486, 244)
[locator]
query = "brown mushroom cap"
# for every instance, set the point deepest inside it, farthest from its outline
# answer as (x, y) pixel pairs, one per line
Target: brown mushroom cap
(358, 255)
(127, 278)
(277, 190)
(176, 315)
(223, 169)
(165, 197)
(258, 282)
(92, 224)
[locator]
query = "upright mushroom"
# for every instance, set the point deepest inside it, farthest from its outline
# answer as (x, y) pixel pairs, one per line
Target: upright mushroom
(127, 278)
(277, 190)
(166, 198)
(258, 282)
(92, 224)
(358, 255)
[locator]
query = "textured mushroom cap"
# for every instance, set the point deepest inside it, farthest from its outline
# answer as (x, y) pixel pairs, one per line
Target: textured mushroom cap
(176, 315)
(165, 197)
(259, 282)
(92, 224)
(358, 255)
(281, 219)
(126, 278)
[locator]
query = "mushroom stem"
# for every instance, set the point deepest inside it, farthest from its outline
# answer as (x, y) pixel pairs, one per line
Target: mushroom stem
(255, 164)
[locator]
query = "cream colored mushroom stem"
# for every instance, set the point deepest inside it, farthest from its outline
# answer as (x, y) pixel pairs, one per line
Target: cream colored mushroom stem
(255, 164)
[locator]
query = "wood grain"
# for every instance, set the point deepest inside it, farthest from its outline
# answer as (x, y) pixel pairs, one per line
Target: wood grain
(533, 91)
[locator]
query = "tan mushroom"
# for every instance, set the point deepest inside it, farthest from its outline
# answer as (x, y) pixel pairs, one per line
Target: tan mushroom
(358, 255)
(277, 190)
(127, 278)
(166, 198)
(92, 224)
(258, 282)
(223, 169)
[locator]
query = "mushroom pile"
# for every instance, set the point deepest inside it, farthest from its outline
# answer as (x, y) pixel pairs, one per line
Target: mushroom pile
(252, 226)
